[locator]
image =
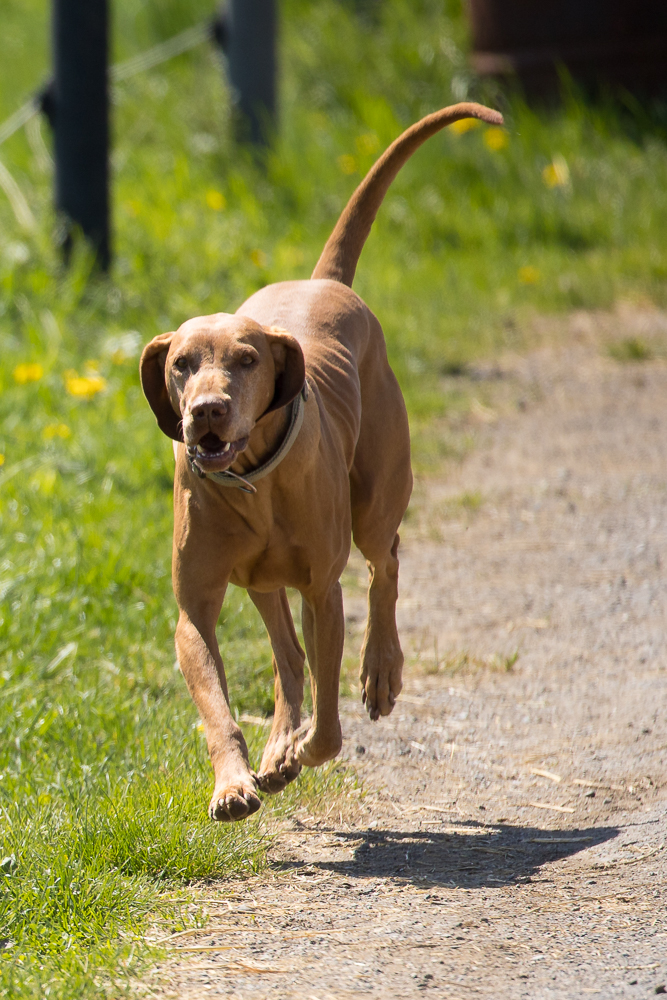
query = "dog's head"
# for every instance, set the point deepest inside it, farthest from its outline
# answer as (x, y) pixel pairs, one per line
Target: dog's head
(210, 382)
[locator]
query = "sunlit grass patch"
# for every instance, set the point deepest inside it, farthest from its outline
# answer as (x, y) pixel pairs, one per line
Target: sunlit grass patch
(630, 349)
(469, 500)
(104, 775)
(458, 661)
(84, 879)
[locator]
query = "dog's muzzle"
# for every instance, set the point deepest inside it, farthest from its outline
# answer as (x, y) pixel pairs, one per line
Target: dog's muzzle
(245, 483)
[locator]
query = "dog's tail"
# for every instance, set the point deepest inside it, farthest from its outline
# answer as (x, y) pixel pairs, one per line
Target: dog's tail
(343, 248)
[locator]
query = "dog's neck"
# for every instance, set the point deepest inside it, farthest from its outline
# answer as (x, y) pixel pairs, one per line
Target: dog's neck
(265, 438)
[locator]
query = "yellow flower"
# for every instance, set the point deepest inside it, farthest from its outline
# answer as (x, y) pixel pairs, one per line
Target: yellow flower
(368, 143)
(2, 459)
(464, 125)
(216, 200)
(28, 373)
(347, 164)
(289, 256)
(258, 257)
(56, 430)
(557, 174)
(495, 138)
(84, 386)
(44, 480)
(529, 275)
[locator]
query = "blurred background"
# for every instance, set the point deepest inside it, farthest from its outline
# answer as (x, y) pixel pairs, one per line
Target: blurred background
(565, 208)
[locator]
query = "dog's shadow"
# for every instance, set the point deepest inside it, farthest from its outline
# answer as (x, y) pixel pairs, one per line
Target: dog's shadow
(473, 856)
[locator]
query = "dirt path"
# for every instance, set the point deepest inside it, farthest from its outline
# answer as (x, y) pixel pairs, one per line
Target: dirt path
(510, 839)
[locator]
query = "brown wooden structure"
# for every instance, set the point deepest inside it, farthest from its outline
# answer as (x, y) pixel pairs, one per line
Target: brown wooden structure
(617, 43)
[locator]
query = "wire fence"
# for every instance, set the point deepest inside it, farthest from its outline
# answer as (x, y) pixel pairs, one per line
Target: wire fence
(175, 46)
(19, 119)
(149, 59)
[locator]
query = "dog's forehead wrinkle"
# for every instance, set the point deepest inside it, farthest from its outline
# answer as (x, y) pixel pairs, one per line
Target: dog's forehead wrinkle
(217, 337)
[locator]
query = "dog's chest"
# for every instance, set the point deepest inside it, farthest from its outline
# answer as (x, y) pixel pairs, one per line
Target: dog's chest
(278, 565)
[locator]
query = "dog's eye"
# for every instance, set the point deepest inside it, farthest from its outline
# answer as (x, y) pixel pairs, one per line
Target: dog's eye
(181, 363)
(247, 359)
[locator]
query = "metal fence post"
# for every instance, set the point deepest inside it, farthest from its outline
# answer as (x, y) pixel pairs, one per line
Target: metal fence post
(80, 114)
(246, 31)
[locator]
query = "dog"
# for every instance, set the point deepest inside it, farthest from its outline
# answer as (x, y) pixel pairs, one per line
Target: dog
(291, 438)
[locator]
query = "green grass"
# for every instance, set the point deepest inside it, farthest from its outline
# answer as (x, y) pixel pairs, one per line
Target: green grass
(104, 776)
(630, 349)
(103, 773)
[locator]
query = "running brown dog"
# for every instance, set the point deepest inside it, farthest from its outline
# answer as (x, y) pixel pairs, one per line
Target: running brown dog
(294, 393)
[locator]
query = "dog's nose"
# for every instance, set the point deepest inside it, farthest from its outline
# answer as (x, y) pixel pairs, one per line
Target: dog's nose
(206, 408)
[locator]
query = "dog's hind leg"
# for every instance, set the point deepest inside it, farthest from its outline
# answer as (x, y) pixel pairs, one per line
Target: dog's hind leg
(380, 487)
(381, 654)
(279, 764)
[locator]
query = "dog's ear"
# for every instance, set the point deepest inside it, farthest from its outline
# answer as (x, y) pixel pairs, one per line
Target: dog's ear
(290, 367)
(151, 369)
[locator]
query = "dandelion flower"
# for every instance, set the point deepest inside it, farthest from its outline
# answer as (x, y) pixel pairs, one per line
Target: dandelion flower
(84, 386)
(258, 257)
(495, 138)
(56, 430)
(464, 125)
(28, 373)
(216, 200)
(347, 164)
(529, 275)
(557, 174)
(368, 143)
(2, 459)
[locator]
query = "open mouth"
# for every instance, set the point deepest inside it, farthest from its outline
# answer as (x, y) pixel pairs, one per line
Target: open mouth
(213, 454)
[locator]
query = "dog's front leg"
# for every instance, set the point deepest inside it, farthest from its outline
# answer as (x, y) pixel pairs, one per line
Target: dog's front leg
(323, 623)
(279, 764)
(235, 795)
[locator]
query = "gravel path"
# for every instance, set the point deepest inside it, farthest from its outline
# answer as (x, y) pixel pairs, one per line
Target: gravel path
(510, 835)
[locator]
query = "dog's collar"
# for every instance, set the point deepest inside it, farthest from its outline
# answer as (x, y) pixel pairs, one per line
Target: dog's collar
(245, 483)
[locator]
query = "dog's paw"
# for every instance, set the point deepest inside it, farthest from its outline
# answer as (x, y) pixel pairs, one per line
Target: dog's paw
(381, 687)
(273, 780)
(279, 764)
(317, 747)
(235, 801)
(377, 706)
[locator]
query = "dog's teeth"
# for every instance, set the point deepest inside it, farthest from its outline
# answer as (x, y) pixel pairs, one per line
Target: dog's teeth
(228, 445)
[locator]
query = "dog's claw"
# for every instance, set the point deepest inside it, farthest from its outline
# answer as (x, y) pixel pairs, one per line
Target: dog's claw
(234, 806)
(273, 782)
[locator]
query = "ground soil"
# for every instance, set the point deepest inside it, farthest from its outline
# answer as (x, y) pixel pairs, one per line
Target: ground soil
(509, 834)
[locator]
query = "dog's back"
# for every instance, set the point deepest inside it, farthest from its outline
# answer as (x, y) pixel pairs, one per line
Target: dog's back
(342, 340)
(339, 335)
